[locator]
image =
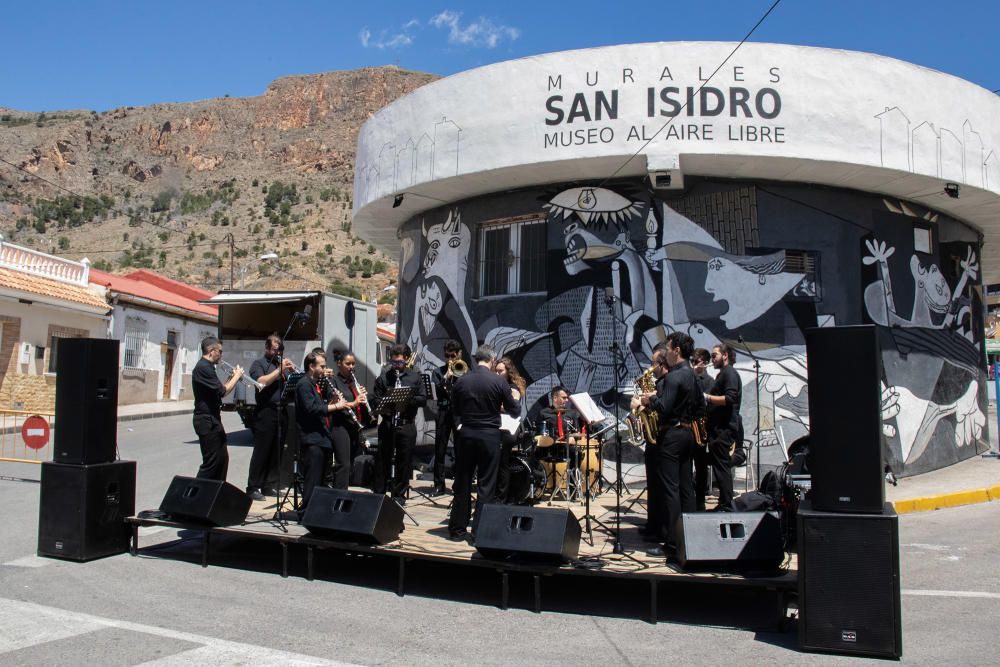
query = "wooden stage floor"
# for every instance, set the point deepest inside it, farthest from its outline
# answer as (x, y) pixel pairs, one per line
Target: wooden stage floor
(429, 541)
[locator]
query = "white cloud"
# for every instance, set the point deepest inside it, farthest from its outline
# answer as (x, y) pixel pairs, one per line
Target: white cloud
(388, 38)
(481, 32)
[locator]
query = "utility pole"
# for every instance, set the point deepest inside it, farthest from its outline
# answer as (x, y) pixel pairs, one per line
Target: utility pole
(232, 255)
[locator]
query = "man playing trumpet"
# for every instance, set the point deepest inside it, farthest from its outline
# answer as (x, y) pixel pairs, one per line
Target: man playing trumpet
(207, 421)
(444, 426)
(262, 479)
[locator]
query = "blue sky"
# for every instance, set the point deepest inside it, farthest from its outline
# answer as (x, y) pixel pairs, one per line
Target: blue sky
(101, 54)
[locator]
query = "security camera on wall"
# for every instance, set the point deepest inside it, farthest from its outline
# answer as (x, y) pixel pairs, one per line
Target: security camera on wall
(668, 179)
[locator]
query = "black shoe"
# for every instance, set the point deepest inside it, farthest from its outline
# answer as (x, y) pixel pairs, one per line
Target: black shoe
(439, 490)
(268, 491)
(656, 552)
(458, 535)
(255, 494)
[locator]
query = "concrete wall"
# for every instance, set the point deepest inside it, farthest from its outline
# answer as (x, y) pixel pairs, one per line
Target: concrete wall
(721, 260)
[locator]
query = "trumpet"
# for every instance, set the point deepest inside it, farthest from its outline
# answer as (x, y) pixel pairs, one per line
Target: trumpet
(245, 379)
(458, 367)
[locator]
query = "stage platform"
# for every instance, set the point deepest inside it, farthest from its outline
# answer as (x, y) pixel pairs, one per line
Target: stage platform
(425, 538)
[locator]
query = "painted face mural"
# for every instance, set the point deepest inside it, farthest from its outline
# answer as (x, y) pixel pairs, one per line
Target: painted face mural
(625, 266)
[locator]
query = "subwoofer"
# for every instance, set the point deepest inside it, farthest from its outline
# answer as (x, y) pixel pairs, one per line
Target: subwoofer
(205, 501)
(537, 533)
(86, 400)
(741, 540)
(845, 419)
(849, 599)
(82, 509)
(349, 515)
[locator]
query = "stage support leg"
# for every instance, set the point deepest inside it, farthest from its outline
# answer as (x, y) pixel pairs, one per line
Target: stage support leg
(309, 562)
(204, 548)
(504, 589)
(134, 547)
(402, 577)
(284, 560)
(538, 594)
(652, 601)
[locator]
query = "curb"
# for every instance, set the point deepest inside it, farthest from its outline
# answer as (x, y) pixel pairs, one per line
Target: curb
(942, 500)
(153, 415)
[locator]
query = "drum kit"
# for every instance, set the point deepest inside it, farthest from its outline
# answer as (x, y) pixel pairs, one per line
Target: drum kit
(542, 466)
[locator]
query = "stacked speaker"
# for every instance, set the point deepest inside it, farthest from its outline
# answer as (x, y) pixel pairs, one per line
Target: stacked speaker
(85, 493)
(848, 536)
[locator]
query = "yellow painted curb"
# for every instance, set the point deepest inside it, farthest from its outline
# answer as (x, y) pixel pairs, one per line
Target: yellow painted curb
(928, 503)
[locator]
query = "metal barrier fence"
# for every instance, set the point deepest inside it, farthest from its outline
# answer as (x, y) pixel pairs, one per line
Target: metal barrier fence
(37, 447)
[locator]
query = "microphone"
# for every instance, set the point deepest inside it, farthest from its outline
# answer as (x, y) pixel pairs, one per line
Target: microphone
(306, 313)
(740, 339)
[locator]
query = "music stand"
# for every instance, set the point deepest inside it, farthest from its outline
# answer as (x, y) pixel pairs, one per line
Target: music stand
(288, 395)
(389, 407)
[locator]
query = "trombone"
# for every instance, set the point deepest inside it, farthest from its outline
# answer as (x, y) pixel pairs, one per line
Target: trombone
(458, 367)
(245, 379)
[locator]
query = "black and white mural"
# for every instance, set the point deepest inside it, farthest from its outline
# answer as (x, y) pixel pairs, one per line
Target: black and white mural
(568, 279)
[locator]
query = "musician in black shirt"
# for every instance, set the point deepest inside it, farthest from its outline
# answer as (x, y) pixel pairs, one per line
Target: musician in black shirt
(677, 400)
(444, 424)
(397, 432)
(314, 421)
(208, 393)
(262, 478)
(347, 442)
(700, 359)
(477, 399)
(724, 399)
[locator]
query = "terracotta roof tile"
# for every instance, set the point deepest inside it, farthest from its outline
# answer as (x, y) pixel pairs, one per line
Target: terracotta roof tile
(26, 282)
(156, 288)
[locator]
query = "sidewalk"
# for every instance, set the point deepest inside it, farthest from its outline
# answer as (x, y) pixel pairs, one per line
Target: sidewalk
(974, 480)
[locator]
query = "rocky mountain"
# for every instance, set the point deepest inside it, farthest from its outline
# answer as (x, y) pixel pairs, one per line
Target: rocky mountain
(200, 190)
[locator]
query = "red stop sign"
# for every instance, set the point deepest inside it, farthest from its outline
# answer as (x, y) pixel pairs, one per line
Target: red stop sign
(35, 432)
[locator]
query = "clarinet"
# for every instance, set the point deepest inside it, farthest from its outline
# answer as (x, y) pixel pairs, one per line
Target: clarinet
(364, 401)
(326, 385)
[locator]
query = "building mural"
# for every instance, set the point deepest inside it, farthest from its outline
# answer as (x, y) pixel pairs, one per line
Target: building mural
(724, 261)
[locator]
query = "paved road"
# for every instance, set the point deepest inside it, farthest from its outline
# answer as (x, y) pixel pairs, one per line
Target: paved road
(166, 611)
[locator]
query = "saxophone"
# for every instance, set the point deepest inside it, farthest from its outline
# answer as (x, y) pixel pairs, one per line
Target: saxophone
(643, 422)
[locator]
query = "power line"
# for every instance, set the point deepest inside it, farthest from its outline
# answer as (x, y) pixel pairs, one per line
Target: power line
(684, 106)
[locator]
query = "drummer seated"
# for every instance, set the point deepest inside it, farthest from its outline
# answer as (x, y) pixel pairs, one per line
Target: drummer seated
(562, 423)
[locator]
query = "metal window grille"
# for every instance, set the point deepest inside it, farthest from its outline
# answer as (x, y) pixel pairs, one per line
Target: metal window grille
(512, 257)
(136, 335)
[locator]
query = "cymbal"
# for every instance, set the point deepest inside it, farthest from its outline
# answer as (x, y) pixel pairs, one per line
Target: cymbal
(543, 441)
(551, 412)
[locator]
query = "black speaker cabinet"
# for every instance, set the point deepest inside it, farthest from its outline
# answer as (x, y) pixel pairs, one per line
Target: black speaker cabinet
(537, 533)
(730, 539)
(357, 517)
(205, 501)
(849, 582)
(82, 509)
(845, 419)
(86, 400)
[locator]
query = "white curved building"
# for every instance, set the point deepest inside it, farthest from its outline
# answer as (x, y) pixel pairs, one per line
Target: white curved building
(793, 187)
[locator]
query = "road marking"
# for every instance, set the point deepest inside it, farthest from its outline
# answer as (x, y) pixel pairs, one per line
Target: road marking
(29, 561)
(951, 594)
(28, 624)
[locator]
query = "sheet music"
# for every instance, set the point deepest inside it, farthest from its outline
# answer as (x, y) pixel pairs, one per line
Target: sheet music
(588, 410)
(509, 424)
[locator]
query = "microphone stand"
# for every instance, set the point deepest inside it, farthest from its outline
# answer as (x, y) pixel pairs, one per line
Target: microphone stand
(296, 319)
(756, 386)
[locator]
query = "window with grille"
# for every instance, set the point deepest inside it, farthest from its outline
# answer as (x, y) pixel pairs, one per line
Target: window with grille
(55, 333)
(512, 256)
(136, 335)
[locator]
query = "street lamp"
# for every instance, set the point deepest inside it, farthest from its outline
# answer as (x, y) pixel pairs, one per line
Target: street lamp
(246, 267)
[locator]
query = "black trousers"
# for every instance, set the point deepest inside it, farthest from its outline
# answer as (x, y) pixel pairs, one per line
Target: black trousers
(395, 446)
(507, 441)
(674, 481)
(478, 452)
(701, 486)
(717, 453)
(212, 440)
(444, 428)
(340, 473)
(266, 450)
(315, 460)
(655, 521)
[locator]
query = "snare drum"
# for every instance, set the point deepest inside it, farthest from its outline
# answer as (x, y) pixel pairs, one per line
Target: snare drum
(527, 480)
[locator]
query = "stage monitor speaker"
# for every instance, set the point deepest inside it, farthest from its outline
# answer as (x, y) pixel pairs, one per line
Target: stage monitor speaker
(205, 501)
(86, 400)
(536, 533)
(367, 518)
(750, 540)
(845, 419)
(82, 509)
(849, 582)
